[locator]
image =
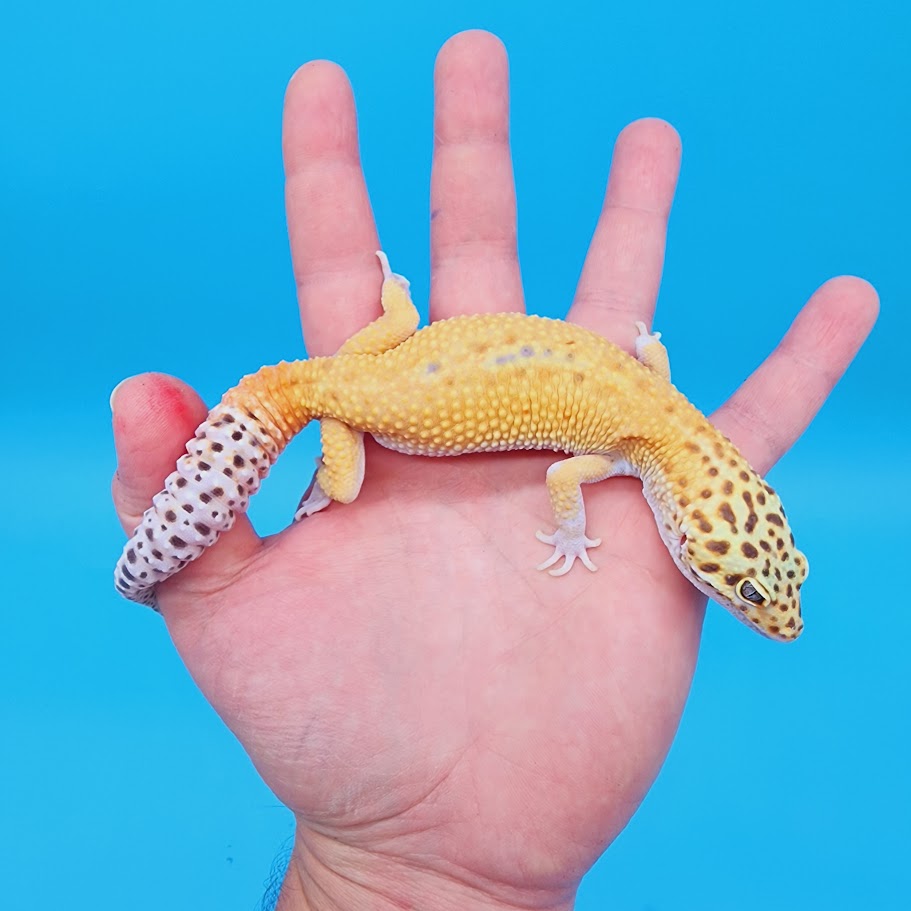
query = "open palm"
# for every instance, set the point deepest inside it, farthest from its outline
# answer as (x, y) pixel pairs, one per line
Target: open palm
(442, 719)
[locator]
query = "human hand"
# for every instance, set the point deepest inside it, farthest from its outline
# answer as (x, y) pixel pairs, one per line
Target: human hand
(450, 727)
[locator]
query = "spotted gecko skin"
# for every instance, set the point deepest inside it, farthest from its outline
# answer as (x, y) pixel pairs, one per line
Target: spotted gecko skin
(481, 384)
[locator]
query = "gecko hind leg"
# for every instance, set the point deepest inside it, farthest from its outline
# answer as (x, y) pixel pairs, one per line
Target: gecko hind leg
(340, 471)
(398, 321)
(651, 353)
(564, 484)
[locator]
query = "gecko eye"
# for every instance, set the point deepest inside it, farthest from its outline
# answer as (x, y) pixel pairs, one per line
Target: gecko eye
(751, 591)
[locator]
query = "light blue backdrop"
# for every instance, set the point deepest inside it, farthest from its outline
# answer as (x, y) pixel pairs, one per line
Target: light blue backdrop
(140, 175)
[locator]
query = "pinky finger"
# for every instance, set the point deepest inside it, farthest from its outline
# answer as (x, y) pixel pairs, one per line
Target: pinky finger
(777, 402)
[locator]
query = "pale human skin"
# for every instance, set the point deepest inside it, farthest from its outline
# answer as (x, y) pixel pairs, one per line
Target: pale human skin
(451, 728)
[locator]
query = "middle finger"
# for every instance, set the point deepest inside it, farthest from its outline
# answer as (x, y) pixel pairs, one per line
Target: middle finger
(474, 259)
(622, 272)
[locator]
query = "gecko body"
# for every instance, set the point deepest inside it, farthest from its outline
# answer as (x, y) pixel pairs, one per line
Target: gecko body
(480, 384)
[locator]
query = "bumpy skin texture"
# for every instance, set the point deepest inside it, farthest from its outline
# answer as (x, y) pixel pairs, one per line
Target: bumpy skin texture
(490, 383)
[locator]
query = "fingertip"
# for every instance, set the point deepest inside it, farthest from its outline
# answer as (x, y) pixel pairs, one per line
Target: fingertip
(319, 118)
(473, 44)
(157, 391)
(653, 130)
(645, 167)
(153, 416)
(835, 322)
(151, 411)
(472, 90)
(854, 295)
(316, 76)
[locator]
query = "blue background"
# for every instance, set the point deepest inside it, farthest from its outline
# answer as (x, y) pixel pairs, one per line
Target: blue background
(140, 174)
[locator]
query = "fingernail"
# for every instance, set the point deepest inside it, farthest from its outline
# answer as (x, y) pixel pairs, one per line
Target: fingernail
(117, 388)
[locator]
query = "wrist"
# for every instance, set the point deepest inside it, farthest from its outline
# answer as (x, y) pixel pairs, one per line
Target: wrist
(326, 875)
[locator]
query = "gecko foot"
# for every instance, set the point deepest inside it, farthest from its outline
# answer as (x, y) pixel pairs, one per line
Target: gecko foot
(645, 337)
(388, 274)
(313, 500)
(569, 546)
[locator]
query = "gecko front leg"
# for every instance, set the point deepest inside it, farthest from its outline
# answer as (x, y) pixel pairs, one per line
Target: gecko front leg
(565, 479)
(564, 484)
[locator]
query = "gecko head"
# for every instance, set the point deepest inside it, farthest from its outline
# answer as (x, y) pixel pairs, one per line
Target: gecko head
(738, 548)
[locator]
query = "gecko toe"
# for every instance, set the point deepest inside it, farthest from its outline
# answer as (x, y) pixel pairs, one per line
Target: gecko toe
(568, 561)
(556, 555)
(587, 562)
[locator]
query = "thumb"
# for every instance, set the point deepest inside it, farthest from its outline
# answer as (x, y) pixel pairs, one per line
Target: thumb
(153, 417)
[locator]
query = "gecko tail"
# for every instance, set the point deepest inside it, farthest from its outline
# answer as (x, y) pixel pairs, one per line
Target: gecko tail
(225, 463)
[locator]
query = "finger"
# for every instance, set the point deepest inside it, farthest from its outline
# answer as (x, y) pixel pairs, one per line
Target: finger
(474, 260)
(153, 417)
(622, 271)
(774, 406)
(330, 222)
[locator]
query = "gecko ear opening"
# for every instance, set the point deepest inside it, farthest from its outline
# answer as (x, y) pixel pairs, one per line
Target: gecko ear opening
(752, 592)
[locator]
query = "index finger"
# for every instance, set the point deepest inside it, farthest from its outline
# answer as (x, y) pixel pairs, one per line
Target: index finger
(330, 222)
